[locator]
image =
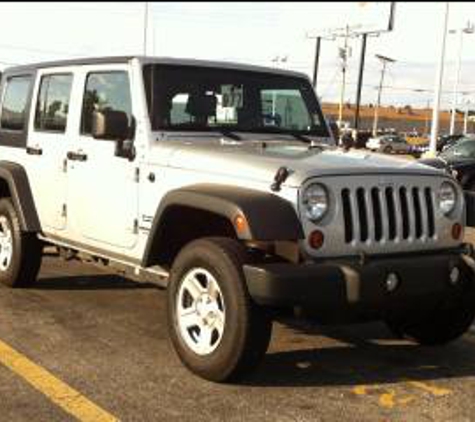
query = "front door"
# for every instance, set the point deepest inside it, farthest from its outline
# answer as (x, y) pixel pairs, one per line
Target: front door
(103, 188)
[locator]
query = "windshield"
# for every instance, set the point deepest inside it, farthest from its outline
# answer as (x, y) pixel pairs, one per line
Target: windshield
(193, 98)
(464, 148)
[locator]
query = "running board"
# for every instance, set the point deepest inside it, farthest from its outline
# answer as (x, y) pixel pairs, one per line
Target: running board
(155, 275)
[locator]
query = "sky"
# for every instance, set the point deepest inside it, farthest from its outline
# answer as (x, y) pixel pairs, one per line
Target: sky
(255, 32)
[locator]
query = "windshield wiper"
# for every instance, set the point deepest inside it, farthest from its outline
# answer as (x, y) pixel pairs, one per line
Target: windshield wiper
(277, 131)
(228, 133)
(299, 136)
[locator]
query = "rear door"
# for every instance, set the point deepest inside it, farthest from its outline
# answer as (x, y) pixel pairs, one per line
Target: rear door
(48, 141)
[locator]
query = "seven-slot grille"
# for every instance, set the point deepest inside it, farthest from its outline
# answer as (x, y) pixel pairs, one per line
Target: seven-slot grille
(388, 214)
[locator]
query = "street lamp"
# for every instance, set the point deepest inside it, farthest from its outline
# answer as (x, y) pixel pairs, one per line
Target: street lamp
(468, 29)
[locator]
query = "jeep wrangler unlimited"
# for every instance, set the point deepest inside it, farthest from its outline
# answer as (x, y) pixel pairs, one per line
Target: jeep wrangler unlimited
(223, 183)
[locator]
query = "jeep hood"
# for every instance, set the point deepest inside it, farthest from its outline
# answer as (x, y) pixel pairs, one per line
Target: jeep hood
(259, 161)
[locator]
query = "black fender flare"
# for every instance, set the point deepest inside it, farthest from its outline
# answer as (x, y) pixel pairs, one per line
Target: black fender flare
(467, 178)
(268, 216)
(469, 197)
(17, 181)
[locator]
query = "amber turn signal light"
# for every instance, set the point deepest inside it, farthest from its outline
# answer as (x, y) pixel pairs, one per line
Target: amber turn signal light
(456, 231)
(240, 223)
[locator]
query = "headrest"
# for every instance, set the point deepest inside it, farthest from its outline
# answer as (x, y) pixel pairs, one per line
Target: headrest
(201, 105)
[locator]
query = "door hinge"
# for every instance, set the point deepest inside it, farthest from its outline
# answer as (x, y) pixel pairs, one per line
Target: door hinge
(64, 211)
(136, 226)
(137, 175)
(65, 165)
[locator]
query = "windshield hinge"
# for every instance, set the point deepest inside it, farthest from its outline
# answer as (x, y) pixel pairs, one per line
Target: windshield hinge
(279, 178)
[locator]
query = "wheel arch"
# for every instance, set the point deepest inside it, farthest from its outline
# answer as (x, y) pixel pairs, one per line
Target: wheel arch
(14, 183)
(267, 217)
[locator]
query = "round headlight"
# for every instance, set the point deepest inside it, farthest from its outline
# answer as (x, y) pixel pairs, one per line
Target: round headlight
(447, 197)
(315, 201)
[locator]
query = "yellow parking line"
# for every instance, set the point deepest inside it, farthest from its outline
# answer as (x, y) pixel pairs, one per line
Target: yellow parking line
(435, 391)
(56, 390)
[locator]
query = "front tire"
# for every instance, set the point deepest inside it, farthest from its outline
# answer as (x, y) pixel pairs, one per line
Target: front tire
(20, 252)
(216, 329)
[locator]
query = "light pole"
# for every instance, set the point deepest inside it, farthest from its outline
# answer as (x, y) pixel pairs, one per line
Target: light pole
(343, 53)
(145, 29)
(316, 62)
(465, 118)
(426, 130)
(385, 60)
(426, 112)
(318, 41)
(438, 88)
(466, 30)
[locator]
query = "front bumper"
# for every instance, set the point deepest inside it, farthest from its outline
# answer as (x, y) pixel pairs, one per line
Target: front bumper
(339, 285)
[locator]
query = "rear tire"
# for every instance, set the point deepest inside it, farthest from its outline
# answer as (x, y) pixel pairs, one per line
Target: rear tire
(20, 252)
(228, 334)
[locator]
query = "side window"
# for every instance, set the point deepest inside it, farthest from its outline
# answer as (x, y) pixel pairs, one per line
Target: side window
(15, 103)
(105, 91)
(53, 102)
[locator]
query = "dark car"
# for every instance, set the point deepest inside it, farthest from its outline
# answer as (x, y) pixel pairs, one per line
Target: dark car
(446, 141)
(458, 159)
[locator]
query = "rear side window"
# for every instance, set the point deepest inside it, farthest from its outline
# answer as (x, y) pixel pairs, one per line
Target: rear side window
(15, 103)
(53, 102)
(105, 91)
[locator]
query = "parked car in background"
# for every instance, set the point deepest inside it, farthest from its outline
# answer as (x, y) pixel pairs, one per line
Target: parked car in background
(414, 137)
(459, 160)
(417, 150)
(446, 141)
(389, 144)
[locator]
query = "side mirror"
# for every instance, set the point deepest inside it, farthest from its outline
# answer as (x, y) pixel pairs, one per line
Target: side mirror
(113, 125)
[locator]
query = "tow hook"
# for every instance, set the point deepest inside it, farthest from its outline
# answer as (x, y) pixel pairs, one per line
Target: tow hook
(363, 258)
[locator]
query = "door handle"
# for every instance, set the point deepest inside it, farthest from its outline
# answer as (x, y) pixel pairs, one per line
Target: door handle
(76, 156)
(34, 151)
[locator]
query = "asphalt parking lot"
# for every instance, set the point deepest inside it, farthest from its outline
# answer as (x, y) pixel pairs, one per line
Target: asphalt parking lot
(89, 343)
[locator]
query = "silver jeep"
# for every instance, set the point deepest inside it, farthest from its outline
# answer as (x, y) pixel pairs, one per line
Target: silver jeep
(222, 182)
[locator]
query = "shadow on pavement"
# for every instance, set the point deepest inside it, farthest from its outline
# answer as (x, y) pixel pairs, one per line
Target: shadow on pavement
(364, 354)
(362, 361)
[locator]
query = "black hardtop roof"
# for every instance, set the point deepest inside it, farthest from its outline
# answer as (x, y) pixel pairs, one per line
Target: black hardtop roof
(148, 59)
